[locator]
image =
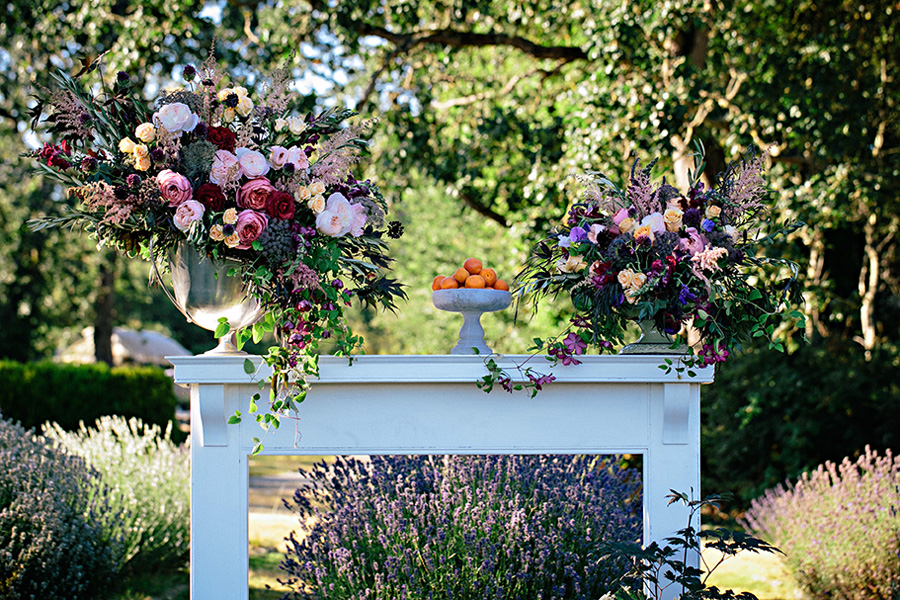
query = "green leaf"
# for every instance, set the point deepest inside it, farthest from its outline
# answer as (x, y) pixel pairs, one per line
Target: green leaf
(222, 328)
(249, 367)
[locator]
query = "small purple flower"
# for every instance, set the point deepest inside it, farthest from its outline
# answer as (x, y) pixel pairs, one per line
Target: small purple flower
(685, 295)
(122, 77)
(708, 225)
(575, 344)
(133, 180)
(692, 217)
(201, 130)
(541, 381)
(157, 155)
(189, 72)
(325, 334)
(304, 306)
(337, 284)
(227, 229)
(577, 234)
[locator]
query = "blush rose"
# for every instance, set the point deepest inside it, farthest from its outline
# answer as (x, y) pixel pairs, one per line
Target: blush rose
(173, 187)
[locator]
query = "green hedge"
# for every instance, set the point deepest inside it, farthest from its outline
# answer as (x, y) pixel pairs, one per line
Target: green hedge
(34, 393)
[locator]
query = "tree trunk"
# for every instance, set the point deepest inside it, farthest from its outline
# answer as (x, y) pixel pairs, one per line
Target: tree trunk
(869, 278)
(104, 310)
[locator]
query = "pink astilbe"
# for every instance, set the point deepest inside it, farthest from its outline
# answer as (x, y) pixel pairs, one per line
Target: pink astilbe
(708, 259)
(641, 193)
(336, 155)
(275, 93)
(747, 189)
(100, 196)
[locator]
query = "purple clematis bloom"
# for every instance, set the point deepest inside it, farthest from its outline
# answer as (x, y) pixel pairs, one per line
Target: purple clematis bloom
(575, 344)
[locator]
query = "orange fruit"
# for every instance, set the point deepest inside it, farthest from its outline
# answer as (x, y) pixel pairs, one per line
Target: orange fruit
(501, 285)
(472, 265)
(449, 283)
(461, 275)
(475, 281)
(436, 284)
(490, 277)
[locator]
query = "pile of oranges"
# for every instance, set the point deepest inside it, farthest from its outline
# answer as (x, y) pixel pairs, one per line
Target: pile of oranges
(470, 275)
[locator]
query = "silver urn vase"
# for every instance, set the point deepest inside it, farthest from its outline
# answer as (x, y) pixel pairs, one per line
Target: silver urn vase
(204, 293)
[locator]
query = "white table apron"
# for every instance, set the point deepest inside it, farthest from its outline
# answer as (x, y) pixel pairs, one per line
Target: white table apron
(431, 405)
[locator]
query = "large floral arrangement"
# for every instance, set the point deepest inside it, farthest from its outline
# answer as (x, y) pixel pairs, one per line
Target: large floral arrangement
(649, 252)
(236, 173)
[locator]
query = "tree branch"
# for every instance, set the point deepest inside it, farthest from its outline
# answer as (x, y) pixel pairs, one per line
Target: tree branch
(483, 210)
(466, 39)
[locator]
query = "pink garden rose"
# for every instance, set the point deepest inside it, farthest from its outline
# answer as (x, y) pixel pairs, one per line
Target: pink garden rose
(250, 224)
(620, 216)
(253, 163)
(174, 187)
(278, 156)
(225, 168)
(187, 213)
(359, 220)
(255, 194)
(297, 157)
(693, 244)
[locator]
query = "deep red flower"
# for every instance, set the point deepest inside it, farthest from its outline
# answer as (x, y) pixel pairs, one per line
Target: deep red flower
(222, 137)
(211, 196)
(281, 205)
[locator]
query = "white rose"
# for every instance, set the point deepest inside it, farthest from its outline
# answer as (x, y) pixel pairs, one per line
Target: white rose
(176, 118)
(225, 168)
(253, 163)
(188, 213)
(296, 125)
(338, 205)
(655, 221)
(145, 132)
(329, 223)
(280, 124)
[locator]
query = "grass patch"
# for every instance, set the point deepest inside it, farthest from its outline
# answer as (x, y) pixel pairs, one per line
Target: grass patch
(764, 575)
(267, 466)
(264, 573)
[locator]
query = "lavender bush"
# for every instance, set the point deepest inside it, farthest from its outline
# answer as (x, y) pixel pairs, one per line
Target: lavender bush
(149, 480)
(53, 542)
(462, 527)
(840, 527)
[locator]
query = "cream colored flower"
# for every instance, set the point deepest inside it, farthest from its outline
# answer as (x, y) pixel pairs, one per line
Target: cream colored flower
(627, 225)
(142, 163)
(713, 211)
(316, 188)
(230, 216)
(302, 194)
(240, 91)
(215, 233)
(316, 203)
(126, 145)
(224, 93)
(228, 115)
(280, 124)
(673, 219)
(232, 241)
(573, 264)
(245, 106)
(145, 132)
(176, 118)
(140, 150)
(624, 277)
(638, 281)
(297, 125)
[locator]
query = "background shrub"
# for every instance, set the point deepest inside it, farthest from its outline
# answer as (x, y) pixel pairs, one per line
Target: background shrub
(149, 481)
(34, 393)
(463, 527)
(53, 543)
(839, 527)
(770, 416)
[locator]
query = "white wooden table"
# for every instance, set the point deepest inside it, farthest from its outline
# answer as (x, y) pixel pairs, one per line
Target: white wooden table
(430, 405)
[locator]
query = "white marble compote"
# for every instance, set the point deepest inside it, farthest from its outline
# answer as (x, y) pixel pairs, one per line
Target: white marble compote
(472, 303)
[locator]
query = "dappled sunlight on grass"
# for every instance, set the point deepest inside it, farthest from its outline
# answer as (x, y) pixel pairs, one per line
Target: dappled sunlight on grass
(765, 575)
